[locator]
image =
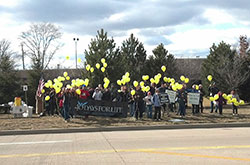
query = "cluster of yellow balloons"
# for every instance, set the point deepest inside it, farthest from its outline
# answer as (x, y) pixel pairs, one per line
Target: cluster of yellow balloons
(142, 85)
(228, 98)
(98, 66)
(184, 79)
(125, 79)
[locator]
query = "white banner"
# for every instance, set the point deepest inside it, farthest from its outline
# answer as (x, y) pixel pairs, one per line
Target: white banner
(193, 98)
(171, 95)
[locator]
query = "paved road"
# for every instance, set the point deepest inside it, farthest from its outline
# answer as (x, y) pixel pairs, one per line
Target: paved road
(189, 146)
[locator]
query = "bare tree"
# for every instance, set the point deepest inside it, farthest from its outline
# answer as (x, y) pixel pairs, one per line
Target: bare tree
(41, 42)
(234, 72)
(4, 47)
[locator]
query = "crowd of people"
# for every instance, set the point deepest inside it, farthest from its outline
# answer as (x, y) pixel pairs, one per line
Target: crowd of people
(138, 103)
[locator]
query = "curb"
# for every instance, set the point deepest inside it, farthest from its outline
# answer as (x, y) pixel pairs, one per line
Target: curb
(110, 129)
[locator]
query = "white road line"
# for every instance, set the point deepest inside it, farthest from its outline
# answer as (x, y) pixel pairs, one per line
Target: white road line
(37, 142)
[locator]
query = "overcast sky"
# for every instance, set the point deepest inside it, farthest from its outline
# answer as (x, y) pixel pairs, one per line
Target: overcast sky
(187, 28)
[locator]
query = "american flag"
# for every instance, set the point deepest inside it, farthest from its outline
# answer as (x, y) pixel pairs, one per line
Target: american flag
(40, 87)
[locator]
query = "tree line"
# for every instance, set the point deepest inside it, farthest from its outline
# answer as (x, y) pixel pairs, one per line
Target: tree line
(229, 66)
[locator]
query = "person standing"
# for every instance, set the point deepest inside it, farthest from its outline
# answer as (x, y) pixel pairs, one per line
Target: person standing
(139, 103)
(236, 96)
(148, 100)
(131, 103)
(201, 91)
(157, 105)
(84, 92)
(182, 100)
(220, 101)
(97, 94)
(213, 90)
(66, 102)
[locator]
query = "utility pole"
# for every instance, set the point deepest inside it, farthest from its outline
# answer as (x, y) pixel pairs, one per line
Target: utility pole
(76, 40)
(22, 55)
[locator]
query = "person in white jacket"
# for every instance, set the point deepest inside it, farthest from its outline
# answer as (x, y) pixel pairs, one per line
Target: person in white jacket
(97, 94)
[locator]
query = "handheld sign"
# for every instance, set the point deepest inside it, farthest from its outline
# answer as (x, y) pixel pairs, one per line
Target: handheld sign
(194, 98)
(171, 95)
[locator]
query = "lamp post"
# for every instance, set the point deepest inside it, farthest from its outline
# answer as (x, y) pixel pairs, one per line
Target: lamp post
(76, 40)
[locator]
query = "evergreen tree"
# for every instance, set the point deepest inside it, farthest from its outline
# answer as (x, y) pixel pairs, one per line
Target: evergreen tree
(133, 57)
(103, 47)
(159, 58)
(9, 83)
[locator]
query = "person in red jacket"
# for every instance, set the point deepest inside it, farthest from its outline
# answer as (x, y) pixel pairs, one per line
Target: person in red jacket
(84, 93)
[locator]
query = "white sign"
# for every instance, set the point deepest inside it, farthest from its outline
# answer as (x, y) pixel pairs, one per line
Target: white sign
(171, 95)
(25, 88)
(194, 98)
(164, 98)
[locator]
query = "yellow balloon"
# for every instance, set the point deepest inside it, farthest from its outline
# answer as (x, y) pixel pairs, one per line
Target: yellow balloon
(209, 77)
(180, 86)
(79, 60)
(57, 90)
(186, 80)
(127, 74)
(78, 91)
(242, 102)
(224, 96)
(106, 85)
(105, 65)
(43, 90)
(97, 65)
(234, 100)
(67, 57)
(47, 98)
(92, 69)
(103, 60)
(165, 79)
(211, 98)
(47, 85)
(65, 74)
(67, 78)
(152, 80)
(87, 67)
(163, 68)
(182, 78)
(216, 97)
(119, 82)
(133, 92)
(103, 69)
(197, 87)
(142, 84)
(172, 80)
(135, 83)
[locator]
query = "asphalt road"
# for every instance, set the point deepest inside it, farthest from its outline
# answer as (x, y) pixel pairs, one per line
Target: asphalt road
(182, 146)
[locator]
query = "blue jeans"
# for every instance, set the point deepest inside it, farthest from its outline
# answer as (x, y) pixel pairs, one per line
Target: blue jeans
(212, 107)
(66, 111)
(132, 109)
(149, 111)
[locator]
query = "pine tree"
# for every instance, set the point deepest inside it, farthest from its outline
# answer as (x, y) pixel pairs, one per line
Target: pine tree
(9, 82)
(103, 47)
(159, 58)
(134, 57)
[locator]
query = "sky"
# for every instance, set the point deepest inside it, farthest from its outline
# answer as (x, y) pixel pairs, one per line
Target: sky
(187, 28)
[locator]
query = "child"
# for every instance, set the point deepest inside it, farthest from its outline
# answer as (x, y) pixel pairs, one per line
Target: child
(148, 101)
(220, 101)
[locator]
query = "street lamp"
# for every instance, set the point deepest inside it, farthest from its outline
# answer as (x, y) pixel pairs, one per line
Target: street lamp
(76, 39)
